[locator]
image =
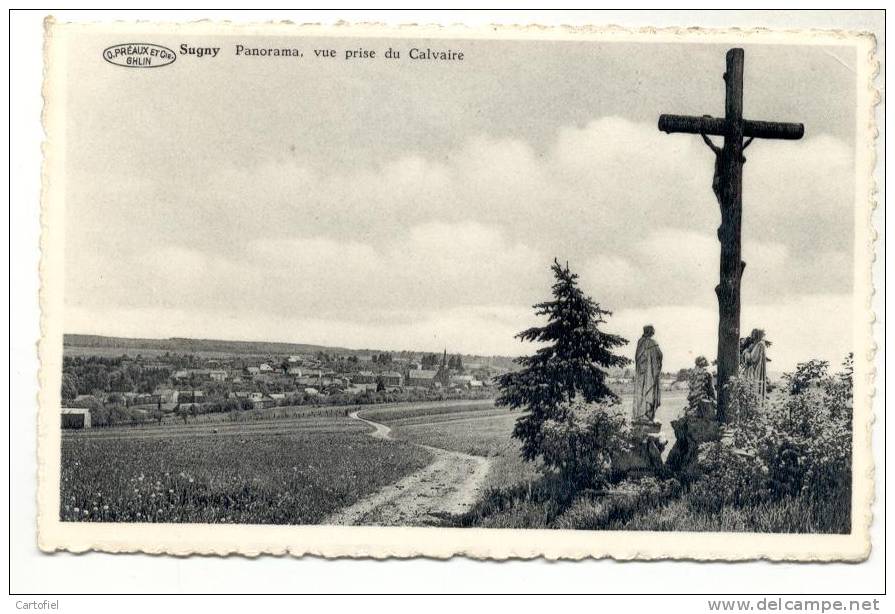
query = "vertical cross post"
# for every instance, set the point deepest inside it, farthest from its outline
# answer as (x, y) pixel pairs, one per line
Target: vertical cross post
(728, 187)
(729, 232)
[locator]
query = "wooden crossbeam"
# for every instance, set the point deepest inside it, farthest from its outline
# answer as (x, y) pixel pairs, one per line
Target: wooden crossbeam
(717, 126)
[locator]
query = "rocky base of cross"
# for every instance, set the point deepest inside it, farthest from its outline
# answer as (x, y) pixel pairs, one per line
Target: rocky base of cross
(645, 456)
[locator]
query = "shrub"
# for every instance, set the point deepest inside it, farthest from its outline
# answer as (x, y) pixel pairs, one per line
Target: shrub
(803, 438)
(728, 477)
(743, 399)
(806, 374)
(580, 446)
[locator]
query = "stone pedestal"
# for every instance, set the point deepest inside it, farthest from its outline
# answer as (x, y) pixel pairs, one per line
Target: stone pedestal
(690, 431)
(645, 428)
(645, 456)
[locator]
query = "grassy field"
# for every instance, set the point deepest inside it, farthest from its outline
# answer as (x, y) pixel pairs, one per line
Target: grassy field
(476, 428)
(306, 411)
(481, 428)
(285, 472)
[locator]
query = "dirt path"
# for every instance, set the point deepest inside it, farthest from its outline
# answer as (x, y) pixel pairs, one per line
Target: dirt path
(450, 484)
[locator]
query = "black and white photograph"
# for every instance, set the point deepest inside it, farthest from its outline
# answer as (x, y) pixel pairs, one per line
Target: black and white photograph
(553, 293)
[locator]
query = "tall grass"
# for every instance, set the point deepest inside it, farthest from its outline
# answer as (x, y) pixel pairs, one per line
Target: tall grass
(658, 506)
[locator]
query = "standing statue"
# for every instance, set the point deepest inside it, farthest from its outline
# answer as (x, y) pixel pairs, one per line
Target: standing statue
(754, 359)
(648, 364)
(701, 400)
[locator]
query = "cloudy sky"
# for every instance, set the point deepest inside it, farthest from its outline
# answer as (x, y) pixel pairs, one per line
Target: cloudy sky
(412, 205)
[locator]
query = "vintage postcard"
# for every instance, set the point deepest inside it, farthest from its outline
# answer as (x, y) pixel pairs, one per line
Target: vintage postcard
(374, 291)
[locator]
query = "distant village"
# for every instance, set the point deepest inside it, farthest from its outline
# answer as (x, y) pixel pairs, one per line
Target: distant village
(136, 388)
(107, 382)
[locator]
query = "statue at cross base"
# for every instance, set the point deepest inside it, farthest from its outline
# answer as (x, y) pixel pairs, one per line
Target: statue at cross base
(648, 370)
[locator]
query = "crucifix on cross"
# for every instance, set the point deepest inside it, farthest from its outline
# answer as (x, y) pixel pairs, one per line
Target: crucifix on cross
(728, 188)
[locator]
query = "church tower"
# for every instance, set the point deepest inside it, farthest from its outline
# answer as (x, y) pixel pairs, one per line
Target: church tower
(443, 376)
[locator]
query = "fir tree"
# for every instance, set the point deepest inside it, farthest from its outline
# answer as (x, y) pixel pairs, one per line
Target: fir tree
(573, 365)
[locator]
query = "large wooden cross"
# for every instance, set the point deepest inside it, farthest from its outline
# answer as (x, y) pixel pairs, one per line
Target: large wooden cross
(728, 187)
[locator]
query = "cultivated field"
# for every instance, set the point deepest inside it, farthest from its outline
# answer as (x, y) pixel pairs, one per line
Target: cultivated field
(287, 472)
(407, 463)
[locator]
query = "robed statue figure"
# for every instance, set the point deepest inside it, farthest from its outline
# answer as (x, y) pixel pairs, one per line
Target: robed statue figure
(754, 361)
(648, 365)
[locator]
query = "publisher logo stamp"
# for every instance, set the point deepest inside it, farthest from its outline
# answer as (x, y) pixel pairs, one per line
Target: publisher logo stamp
(139, 55)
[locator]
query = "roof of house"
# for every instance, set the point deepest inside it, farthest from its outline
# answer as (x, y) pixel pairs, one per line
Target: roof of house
(390, 374)
(422, 374)
(75, 410)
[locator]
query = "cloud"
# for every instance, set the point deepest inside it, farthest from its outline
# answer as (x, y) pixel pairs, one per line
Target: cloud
(416, 241)
(675, 267)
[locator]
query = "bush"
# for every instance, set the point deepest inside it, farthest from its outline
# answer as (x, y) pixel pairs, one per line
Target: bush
(581, 445)
(743, 399)
(728, 477)
(806, 374)
(803, 438)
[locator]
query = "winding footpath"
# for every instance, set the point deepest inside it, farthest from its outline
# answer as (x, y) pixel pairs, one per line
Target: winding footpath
(450, 484)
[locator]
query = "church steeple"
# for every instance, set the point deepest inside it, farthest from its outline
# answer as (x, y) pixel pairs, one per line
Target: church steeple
(443, 376)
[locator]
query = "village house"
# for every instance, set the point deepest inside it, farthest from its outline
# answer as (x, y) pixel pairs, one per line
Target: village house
(424, 378)
(391, 379)
(462, 381)
(156, 366)
(190, 396)
(363, 377)
(75, 418)
(166, 395)
(145, 399)
(360, 388)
